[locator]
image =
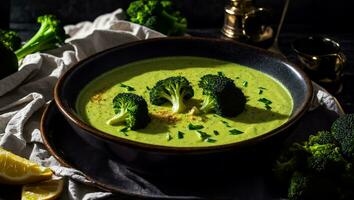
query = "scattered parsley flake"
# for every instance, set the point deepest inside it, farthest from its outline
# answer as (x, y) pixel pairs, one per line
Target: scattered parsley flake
(194, 127)
(180, 135)
(168, 137)
(226, 123)
(216, 132)
(265, 101)
(127, 87)
(203, 135)
(210, 140)
(221, 74)
(268, 107)
(235, 132)
(260, 92)
(124, 131)
(245, 83)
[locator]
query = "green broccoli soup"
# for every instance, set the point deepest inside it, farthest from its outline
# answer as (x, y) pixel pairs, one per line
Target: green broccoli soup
(268, 103)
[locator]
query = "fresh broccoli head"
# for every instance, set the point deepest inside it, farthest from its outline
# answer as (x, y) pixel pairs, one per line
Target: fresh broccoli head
(326, 158)
(10, 39)
(221, 96)
(176, 90)
(158, 15)
(322, 137)
(50, 35)
(305, 186)
(289, 161)
(8, 59)
(131, 109)
(343, 132)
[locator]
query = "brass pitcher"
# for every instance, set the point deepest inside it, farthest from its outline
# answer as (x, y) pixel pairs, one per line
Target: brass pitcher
(322, 59)
(245, 22)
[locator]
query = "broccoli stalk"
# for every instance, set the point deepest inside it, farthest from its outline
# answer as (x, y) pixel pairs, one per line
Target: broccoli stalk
(122, 114)
(208, 104)
(173, 89)
(221, 96)
(130, 109)
(175, 95)
(49, 36)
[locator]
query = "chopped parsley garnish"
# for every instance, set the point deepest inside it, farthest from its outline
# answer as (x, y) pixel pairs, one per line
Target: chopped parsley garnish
(124, 131)
(267, 103)
(261, 90)
(268, 107)
(235, 132)
(203, 135)
(147, 87)
(226, 123)
(216, 132)
(221, 74)
(168, 137)
(127, 87)
(245, 83)
(180, 135)
(237, 77)
(194, 127)
(210, 140)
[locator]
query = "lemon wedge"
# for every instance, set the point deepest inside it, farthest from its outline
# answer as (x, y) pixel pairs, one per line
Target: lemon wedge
(15, 170)
(45, 190)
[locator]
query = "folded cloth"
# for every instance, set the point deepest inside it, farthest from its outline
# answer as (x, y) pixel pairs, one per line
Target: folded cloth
(24, 94)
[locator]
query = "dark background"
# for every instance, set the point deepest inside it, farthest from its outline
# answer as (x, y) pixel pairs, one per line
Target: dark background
(331, 18)
(319, 15)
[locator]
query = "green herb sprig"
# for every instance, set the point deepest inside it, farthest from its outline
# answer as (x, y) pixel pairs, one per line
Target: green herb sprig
(124, 131)
(194, 127)
(266, 102)
(180, 135)
(226, 123)
(221, 74)
(235, 132)
(245, 83)
(168, 137)
(127, 87)
(205, 137)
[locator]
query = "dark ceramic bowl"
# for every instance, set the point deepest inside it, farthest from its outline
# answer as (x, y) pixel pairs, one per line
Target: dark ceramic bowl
(154, 159)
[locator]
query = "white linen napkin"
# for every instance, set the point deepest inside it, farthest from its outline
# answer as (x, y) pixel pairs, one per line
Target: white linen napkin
(24, 94)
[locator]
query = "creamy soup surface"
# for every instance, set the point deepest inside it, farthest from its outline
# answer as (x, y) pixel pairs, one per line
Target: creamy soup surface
(94, 104)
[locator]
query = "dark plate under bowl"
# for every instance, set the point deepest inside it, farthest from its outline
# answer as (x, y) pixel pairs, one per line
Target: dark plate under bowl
(155, 159)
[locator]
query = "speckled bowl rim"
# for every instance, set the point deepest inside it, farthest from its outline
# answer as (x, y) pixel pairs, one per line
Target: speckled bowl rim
(304, 106)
